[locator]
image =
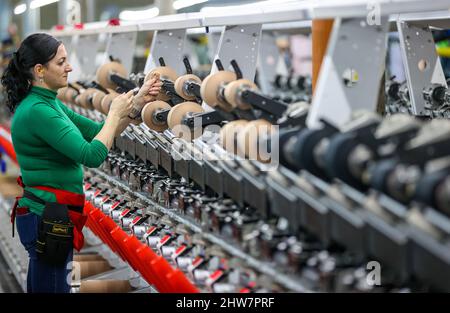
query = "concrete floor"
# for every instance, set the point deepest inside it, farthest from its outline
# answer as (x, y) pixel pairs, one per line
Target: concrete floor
(8, 282)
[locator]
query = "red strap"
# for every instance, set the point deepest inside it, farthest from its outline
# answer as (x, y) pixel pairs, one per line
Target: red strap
(79, 220)
(20, 182)
(13, 214)
(64, 196)
(22, 211)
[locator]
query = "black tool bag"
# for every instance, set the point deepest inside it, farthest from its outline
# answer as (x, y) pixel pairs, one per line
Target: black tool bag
(55, 232)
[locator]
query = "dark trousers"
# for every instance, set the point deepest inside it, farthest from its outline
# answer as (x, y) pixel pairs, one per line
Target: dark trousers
(42, 278)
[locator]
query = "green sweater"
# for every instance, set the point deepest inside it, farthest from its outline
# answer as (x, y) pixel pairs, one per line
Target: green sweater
(52, 143)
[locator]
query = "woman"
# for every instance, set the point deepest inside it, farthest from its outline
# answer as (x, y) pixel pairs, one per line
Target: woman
(52, 144)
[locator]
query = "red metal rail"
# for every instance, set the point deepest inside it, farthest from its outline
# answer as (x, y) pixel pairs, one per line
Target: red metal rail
(153, 268)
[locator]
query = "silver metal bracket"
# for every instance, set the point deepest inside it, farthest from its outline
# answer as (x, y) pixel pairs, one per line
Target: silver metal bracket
(67, 42)
(268, 59)
(240, 43)
(349, 78)
(121, 46)
(84, 57)
(421, 62)
(168, 44)
(213, 41)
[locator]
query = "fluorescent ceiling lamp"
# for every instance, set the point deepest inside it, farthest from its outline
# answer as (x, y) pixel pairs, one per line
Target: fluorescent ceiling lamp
(181, 4)
(20, 9)
(246, 5)
(129, 15)
(33, 5)
(40, 3)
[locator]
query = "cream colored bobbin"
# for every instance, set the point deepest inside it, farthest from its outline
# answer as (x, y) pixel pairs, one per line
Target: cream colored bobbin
(179, 85)
(60, 93)
(70, 95)
(73, 92)
(164, 72)
(87, 257)
(77, 99)
(248, 139)
(228, 134)
(211, 86)
(107, 100)
(148, 112)
(106, 70)
(232, 90)
(89, 268)
(97, 100)
(84, 99)
(176, 115)
(105, 286)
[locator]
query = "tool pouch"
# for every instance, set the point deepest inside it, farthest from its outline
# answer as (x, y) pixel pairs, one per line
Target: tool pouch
(55, 232)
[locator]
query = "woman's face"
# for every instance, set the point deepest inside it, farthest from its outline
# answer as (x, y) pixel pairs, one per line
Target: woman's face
(57, 70)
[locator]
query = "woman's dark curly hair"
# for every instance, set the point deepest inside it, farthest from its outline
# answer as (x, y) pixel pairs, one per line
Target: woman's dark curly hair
(38, 48)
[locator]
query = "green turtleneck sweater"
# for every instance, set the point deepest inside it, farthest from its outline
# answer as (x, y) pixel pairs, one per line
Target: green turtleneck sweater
(52, 143)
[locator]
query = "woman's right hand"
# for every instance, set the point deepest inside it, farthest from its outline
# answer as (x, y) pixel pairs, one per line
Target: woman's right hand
(121, 106)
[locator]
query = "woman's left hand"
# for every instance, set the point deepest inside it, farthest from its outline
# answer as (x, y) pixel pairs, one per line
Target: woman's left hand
(149, 91)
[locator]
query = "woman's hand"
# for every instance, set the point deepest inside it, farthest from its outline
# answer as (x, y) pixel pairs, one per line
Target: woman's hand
(149, 91)
(121, 106)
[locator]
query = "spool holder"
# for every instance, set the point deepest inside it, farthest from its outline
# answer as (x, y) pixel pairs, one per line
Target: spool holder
(207, 118)
(124, 84)
(169, 89)
(191, 87)
(187, 65)
(99, 87)
(294, 121)
(161, 115)
(268, 108)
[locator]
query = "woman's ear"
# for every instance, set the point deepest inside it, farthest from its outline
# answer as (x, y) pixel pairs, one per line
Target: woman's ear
(38, 70)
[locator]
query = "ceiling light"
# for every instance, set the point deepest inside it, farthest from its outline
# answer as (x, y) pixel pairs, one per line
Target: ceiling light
(257, 4)
(180, 4)
(40, 3)
(129, 15)
(20, 9)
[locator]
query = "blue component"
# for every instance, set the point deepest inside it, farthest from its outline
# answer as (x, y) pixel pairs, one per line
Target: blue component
(2, 162)
(2, 166)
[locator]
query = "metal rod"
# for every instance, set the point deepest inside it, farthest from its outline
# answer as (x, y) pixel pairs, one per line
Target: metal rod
(236, 68)
(187, 64)
(219, 65)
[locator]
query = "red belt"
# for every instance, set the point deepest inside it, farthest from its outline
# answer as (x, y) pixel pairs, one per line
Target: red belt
(72, 200)
(22, 211)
